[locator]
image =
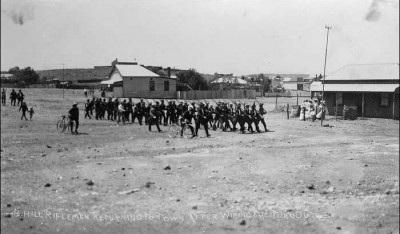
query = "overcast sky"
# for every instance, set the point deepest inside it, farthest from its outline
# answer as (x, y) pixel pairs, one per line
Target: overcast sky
(224, 36)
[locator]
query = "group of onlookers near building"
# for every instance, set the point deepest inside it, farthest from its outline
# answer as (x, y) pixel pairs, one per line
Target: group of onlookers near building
(312, 110)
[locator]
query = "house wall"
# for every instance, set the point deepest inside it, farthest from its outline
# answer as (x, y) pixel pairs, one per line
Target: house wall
(140, 87)
(372, 108)
(117, 92)
(290, 86)
(396, 106)
(293, 85)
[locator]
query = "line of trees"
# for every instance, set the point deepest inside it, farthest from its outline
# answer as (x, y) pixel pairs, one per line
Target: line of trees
(26, 76)
(192, 78)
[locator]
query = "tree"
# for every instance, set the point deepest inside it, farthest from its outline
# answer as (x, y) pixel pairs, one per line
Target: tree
(26, 76)
(260, 78)
(267, 84)
(162, 73)
(14, 70)
(192, 78)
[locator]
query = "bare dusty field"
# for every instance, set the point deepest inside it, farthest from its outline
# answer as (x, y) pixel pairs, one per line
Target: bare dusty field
(298, 178)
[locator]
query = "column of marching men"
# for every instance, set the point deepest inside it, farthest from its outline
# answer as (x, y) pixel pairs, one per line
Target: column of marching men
(226, 116)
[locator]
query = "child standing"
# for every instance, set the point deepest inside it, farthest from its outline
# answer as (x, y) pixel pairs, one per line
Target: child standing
(31, 112)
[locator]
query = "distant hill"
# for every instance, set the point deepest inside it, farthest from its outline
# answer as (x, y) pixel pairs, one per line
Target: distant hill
(74, 74)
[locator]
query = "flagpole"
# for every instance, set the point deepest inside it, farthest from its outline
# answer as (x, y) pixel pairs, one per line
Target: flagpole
(63, 80)
(323, 81)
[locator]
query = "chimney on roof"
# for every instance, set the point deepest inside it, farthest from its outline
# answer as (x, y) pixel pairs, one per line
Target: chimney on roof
(169, 72)
(114, 62)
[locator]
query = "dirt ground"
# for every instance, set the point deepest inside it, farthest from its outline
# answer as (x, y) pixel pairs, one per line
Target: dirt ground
(298, 178)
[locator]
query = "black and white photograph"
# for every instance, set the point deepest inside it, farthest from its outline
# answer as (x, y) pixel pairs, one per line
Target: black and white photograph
(200, 116)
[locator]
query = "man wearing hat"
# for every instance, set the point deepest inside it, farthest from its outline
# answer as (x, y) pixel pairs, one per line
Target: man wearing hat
(255, 117)
(153, 118)
(138, 113)
(260, 116)
(240, 117)
(24, 109)
(121, 112)
(163, 112)
(87, 109)
(217, 117)
(179, 110)
(201, 119)
(171, 113)
(248, 118)
(74, 116)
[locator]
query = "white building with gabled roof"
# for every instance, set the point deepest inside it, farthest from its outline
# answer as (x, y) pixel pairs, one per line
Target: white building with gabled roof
(128, 79)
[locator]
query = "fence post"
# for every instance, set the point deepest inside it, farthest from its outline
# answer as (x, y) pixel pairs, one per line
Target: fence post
(287, 110)
(297, 98)
(335, 110)
(276, 101)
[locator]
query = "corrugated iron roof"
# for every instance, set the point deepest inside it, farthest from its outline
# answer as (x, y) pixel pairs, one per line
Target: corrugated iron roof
(288, 79)
(113, 79)
(317, 86)
(132, 70)
(386, 71)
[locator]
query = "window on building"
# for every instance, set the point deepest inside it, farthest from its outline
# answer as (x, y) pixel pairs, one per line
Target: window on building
(339, 98)
(166, 85)
(384, 99)
(152, 85)
(299, 86)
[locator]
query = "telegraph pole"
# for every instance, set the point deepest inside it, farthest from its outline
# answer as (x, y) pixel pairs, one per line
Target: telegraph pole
(323, 81)
(63, 80)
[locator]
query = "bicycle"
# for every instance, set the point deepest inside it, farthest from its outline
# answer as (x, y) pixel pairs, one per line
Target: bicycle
(63, 123)
(175, 129)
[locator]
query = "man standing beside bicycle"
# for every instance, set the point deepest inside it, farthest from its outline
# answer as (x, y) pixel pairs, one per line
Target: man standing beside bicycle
(74, 116)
